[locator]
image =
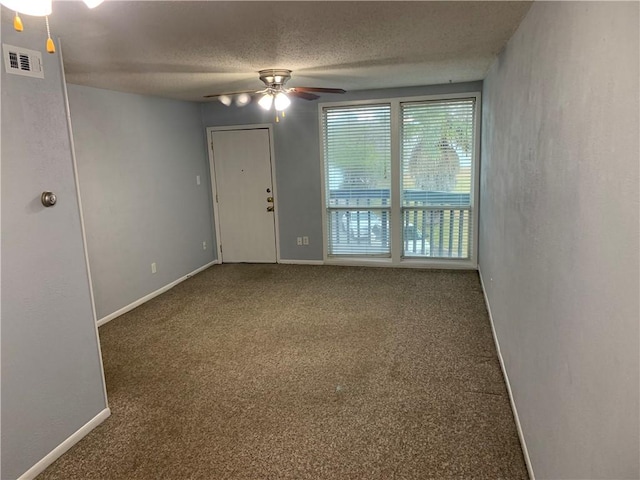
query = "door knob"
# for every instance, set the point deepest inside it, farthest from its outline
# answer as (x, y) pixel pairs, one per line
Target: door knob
(270, 208)
(270, 199)
(48, 199)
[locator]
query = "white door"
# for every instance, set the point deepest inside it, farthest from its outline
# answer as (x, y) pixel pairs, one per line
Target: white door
(244, 192)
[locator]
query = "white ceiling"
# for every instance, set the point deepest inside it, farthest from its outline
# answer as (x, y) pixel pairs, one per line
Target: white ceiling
(184, 49)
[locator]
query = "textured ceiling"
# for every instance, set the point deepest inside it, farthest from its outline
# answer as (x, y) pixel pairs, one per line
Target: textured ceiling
(185, 50)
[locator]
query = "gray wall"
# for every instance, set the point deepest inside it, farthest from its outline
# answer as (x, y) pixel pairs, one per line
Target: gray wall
(138, 158)
(297, 158)
(559, 233)
(51, 373)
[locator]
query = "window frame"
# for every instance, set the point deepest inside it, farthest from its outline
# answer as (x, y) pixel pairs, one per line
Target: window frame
(395, 220)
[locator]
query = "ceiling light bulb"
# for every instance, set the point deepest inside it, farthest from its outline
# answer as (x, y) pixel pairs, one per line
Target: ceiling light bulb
(242, 99)
(225, 100)
(37, 8)
(282, 101)
(266, 101)
(93, 3)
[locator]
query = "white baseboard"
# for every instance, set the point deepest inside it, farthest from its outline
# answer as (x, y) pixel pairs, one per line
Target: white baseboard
(146, 298)
(300, 262)
(525, 452)
(57, 452)
(404, 263)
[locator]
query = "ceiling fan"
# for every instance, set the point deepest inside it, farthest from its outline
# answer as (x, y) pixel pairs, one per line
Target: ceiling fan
(275, 94)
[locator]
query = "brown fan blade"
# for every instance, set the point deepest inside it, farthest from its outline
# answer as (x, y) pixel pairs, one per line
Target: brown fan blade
(320, 90)
(304, 95)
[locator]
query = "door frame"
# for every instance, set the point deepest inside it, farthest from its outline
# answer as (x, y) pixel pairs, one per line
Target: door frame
(212, 169)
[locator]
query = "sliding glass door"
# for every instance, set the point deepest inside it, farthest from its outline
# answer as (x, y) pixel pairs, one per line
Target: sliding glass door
(400, 180)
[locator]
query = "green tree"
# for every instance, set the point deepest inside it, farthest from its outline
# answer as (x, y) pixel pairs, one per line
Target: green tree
(433, 134)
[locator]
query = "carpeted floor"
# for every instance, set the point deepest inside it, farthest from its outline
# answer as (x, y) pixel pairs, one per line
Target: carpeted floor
(303, 372)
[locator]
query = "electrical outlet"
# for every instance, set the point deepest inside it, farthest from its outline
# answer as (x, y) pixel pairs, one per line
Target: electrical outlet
(299, 240)
(305, 240)
(204, 245)
(154, 268)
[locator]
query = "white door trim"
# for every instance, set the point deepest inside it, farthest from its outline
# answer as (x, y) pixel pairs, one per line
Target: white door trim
(274, 188)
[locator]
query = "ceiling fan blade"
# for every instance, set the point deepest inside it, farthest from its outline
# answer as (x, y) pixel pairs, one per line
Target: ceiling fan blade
(320, 90)
(230, 94)
(305, 95)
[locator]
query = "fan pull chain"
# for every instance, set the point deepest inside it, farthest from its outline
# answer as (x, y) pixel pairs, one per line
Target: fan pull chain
(51, 48)
(17, 23)
(278, 117)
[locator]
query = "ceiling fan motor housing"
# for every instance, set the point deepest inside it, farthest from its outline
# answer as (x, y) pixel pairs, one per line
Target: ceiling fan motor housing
(275, 78)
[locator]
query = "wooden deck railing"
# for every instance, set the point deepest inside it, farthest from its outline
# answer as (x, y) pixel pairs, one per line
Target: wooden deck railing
(435, 224)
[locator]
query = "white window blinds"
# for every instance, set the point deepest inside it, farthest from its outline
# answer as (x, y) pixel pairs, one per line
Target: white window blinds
(357, 149)
(429, 174)
(436, 161)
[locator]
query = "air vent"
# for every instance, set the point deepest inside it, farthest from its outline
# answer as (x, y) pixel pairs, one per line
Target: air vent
(21, 61)
(25, 64)
(13, 59)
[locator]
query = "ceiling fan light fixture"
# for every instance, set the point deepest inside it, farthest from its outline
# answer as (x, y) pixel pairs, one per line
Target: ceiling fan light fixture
(281, 101)
(266, 101)
(243, 99)
(37, 8)
(93, 3)
(276, 94)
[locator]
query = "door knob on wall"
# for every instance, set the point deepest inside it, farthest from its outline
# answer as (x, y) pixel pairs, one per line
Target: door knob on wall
(48, 199)
(270, 199)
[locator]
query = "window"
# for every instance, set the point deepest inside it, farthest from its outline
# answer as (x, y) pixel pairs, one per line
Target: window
(357, 144)
(437, 146)
(399, 179)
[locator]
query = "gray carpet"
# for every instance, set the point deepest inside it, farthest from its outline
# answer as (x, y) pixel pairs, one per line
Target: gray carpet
(303, 372)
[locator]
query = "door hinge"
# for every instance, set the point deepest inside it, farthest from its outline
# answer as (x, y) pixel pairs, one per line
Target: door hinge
(217, 198)
(220, 248)
(211, 144)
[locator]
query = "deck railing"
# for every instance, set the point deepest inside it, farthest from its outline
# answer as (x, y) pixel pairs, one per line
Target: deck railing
(435, 224)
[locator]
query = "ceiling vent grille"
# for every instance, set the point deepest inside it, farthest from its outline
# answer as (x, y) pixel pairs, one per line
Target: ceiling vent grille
(22, 61)
(25, 64)
(13, 58)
